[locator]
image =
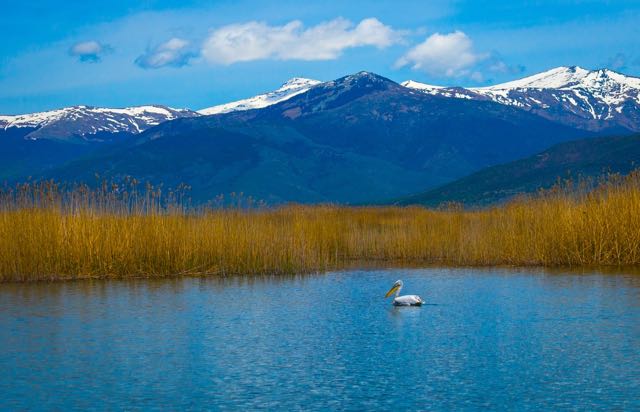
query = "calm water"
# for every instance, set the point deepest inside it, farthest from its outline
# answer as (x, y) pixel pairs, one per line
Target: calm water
(489, 339)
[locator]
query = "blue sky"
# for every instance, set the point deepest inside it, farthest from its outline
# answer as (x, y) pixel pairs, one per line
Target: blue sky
(195, 54)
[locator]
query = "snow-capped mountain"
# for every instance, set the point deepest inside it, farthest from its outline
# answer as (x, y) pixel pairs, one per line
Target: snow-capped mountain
(291, 88)
(595, 100)
(379, 140)
(588, 99)
(90, 123)
(85, 123)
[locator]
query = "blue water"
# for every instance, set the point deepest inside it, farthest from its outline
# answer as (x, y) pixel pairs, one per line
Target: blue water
(489, 339)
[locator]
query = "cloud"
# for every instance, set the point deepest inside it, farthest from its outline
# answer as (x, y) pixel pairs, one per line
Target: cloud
(292, 41)
(89, 51)
(172, 53)
(617, 62)
(447, 55)
(497, 65)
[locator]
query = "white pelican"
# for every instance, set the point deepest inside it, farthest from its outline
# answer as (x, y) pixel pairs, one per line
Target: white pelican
(406, 300)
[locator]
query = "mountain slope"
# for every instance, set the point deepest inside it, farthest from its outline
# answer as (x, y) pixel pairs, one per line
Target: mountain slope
(369, 114)
(356, 139)
(289, 89)
(594, 100)
(22, 158)
(590, 157)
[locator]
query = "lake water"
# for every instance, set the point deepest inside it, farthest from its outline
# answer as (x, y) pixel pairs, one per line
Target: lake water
(496, 339)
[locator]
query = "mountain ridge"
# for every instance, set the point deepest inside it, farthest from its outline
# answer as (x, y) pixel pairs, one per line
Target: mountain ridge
(288, 89)
(583, 158)
(87, 122)
(356, 139)
(594, 100)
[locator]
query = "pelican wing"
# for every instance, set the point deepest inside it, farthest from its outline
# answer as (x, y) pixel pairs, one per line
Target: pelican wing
(408, 300)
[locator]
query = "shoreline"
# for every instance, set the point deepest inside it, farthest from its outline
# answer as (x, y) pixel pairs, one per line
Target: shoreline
(363, 266)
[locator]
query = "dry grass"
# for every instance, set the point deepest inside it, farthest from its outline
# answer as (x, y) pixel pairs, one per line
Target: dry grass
(50, 233)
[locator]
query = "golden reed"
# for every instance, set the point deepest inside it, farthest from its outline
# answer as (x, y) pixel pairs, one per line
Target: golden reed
(48, 232)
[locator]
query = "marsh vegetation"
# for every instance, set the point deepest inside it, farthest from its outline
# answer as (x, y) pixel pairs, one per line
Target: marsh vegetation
(49, 232)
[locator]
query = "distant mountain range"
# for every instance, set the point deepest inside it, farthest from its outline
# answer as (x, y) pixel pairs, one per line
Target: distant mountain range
(593, 100)
(89, 123)
(572, 160)
(360, 138)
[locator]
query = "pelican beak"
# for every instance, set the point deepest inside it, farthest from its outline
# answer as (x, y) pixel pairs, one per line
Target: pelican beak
(391, 291)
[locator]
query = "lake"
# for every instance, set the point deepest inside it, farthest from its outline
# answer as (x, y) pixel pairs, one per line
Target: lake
(491, 338)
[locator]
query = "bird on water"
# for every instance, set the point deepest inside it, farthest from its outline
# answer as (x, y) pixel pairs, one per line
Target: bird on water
(406, 300)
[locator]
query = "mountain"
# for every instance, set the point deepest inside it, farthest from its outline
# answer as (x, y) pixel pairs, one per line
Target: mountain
(289, 89)
(32, 144)
(84, 123)
(21, 159)
(586, 157)
(352, 140)
(596, 100)
(80, 124)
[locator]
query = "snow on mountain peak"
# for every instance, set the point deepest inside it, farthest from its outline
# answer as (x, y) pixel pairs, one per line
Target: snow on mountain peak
(298, 83)
(593, 99)
(566, 77)
(412, 84)
(84, 121)
(290, 88)
(550, 79)
(363, 76)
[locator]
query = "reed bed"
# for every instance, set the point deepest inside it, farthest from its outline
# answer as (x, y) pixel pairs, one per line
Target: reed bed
(49, 232)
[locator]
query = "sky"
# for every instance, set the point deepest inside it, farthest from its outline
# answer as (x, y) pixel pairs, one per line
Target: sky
(196, 54)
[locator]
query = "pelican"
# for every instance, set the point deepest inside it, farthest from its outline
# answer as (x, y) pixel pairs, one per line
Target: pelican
(406, 300)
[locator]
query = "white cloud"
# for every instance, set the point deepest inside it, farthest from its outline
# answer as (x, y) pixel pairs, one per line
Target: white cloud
(174, 52)
(292, 41)
(89, 51)
(495, 64)
(499, 67)
(617, 62)
(450, 55)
